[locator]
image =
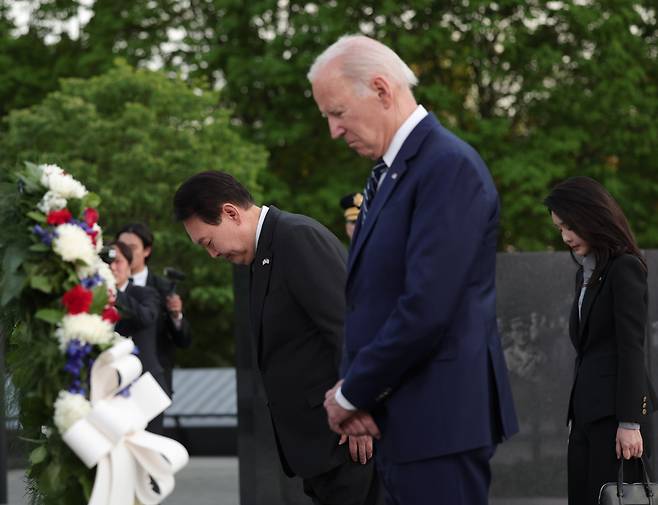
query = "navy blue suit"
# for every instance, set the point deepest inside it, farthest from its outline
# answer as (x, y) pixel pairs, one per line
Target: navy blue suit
(423, 352)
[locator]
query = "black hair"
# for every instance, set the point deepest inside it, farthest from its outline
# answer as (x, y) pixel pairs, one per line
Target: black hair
(139, 229)
(126, 251)
(203, 194)
(142, 231)
(587, 208)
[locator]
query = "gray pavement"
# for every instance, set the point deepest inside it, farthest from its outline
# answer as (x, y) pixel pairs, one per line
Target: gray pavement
(214, 481)
(204, 481)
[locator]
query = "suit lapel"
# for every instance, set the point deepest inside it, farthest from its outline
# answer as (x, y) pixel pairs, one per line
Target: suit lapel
(393, 175)
(261, 268)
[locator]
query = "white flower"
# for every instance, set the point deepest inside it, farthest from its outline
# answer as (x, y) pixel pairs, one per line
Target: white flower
(70, 408)
(61, 183)
(102, 269)
(73, 244)
(47, 171)
(51, 201)
(99, 237)
(90, 328)
(107, 276)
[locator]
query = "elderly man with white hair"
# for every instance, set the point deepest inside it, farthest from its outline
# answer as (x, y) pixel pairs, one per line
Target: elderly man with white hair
(424, 370)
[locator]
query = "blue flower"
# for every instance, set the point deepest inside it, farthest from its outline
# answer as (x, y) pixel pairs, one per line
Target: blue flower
(81, 224)
(44, 235)
(76, 355)
(91, 282)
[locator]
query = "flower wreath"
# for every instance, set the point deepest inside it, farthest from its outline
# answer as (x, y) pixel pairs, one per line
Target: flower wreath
(83, 403)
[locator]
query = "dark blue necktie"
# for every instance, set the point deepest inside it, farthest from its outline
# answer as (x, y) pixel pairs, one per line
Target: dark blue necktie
(371, 188)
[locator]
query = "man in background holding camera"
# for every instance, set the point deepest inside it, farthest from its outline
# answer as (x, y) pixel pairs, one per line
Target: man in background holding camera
(173, 328)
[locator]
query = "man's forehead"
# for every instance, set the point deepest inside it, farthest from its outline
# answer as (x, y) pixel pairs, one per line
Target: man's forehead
(194, 226)
(329, 93)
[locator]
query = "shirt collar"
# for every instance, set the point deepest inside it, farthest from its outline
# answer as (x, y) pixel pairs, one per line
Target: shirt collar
(261, 220)
(139, 279)
(403, 132)
(589, 264)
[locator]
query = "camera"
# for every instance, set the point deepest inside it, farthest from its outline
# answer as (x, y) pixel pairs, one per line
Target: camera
(174, 276)
(108, 254)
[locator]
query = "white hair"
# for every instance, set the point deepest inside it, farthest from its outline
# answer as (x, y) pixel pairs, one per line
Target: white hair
(361, 59)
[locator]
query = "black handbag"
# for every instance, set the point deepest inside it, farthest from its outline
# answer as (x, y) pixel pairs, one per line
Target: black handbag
(622, 493)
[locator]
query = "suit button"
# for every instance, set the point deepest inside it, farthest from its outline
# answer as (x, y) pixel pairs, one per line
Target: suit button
(383, 395)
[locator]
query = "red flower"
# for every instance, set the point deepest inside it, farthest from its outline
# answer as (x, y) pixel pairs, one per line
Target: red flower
(91, 216)
(93, 235)
(57, 217)
(110, 314)
(77, 300)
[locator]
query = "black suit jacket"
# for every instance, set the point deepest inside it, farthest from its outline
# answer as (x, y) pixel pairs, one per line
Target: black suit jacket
(611, 378)
(168, 336)
(139, 308)
(296, 309)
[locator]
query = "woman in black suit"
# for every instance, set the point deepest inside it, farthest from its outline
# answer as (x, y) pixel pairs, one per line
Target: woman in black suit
(611, 396)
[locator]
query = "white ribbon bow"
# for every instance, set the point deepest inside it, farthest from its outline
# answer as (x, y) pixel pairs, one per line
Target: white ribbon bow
(130, 461)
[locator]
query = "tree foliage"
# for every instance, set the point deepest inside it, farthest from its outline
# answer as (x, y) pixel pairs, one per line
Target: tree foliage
(544, 90)
(133, 136)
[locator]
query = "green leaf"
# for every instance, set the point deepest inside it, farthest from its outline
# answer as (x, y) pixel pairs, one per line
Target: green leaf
(11, 286)
(75, 206)
(14, 257)
(100, 300)
(86, 484)
(39, 248)
(41, 283)
(31, 182)
(91, 200)
(51, 476)
(38, 455)
(50, 315)
(37, 216)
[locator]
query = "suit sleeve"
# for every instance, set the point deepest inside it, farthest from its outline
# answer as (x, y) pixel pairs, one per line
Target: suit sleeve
(139, 305)
(315, 270)
(452, 216)
(629, 285)
(181, 337)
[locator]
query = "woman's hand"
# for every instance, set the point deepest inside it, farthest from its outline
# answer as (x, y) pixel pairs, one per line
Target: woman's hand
(628, 443)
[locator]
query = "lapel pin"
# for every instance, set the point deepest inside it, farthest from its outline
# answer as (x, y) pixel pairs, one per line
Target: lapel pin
(394, 176)
(266, 261)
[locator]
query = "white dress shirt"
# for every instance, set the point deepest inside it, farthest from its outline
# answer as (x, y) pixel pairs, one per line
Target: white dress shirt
(261, 220)
(139, 279)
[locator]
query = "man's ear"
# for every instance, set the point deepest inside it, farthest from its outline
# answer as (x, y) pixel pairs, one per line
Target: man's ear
(147, 252)
(231, 212)
(383, 89)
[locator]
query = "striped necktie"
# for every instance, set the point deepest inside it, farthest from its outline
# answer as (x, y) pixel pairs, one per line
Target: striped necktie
(371, 188)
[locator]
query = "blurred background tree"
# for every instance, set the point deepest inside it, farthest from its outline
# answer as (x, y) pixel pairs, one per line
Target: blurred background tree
(132, 136)
(543, 89)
